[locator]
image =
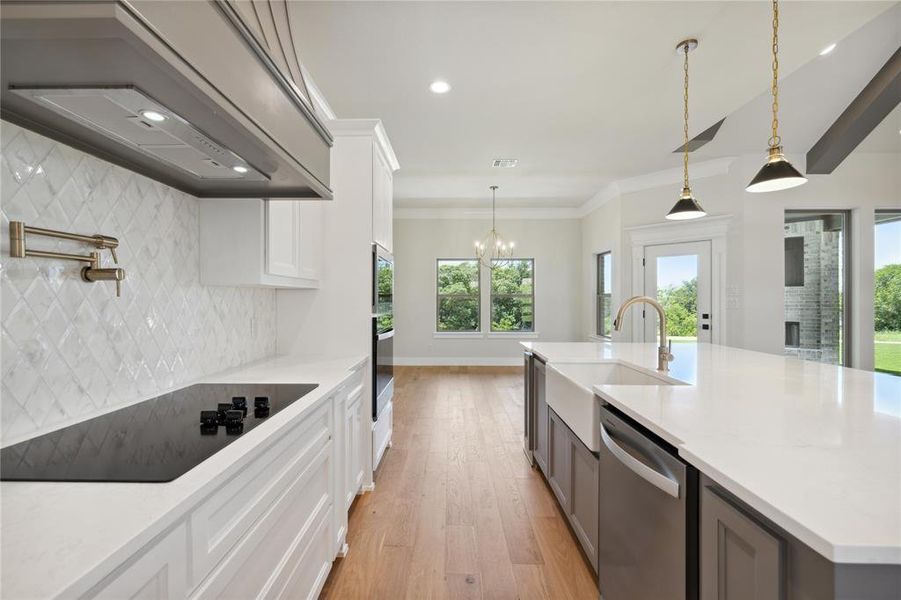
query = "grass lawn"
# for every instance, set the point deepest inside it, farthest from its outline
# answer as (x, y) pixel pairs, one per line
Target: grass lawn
(888, 358)
(888, 336)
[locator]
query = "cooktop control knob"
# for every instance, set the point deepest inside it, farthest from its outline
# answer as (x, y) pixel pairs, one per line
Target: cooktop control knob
(261, 402)
(240, 403)
(209, 418)
(222, 409)
(233, 417)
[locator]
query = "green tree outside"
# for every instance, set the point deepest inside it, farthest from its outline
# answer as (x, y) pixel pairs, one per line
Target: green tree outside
(680, 303)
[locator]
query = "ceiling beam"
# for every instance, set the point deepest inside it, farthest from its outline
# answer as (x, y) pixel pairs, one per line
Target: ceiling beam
(880, 96)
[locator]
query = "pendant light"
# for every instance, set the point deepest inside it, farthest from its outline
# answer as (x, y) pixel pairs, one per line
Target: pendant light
(777, 173)
(686, 207)
(493, 247)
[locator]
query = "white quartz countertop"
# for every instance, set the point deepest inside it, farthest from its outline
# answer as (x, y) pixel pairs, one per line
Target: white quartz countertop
(814, 448)
(62, 537)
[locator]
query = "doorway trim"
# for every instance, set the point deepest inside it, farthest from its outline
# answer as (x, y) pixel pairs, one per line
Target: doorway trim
(712, 229)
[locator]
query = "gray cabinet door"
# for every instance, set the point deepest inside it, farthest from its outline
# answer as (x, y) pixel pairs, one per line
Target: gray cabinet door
(540, 427)
(559, 473)
(583, 513)
(740, 559)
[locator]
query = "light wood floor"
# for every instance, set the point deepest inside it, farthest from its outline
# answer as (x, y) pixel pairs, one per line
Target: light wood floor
(457, 511)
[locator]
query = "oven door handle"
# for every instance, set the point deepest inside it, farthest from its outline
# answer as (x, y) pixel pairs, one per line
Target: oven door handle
(658, 480)
(387, 335)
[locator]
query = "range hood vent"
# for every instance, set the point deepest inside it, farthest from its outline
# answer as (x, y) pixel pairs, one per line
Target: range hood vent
(179, 91)
(119, 114)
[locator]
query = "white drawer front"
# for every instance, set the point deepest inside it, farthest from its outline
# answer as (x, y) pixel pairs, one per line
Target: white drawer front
(158, 572)
(258, 560)
(307, 568)
(228, 514)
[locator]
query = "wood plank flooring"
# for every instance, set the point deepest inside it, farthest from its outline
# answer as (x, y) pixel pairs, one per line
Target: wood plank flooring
(457, 511)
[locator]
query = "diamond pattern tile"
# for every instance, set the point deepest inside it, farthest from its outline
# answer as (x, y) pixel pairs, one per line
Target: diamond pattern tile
(71, 349)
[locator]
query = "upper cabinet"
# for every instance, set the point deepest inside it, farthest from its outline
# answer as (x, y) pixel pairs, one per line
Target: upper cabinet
(207, 97)
(382, 202)
(261, 243)
(363, 166)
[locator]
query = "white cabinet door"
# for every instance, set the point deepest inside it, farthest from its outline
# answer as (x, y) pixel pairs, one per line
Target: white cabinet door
(283, 233)
(310, 244)
(382, 200)
(158, 573)
(353, 428)
(260, 243)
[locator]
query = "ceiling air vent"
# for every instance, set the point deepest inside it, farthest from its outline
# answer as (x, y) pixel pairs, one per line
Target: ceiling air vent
(504, 163)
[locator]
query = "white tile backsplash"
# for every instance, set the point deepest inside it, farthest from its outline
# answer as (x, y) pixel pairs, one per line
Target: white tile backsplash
(71, 349)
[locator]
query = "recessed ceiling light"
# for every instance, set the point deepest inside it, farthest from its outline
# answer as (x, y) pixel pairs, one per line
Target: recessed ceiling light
(439, 87)
(827, 49)
(153, 115)
(239, 169)
(504, 163)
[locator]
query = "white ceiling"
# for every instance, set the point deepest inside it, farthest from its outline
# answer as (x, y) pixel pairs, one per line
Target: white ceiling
(581, 93)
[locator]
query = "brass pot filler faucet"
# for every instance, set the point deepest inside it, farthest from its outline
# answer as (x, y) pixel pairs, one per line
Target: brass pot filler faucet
(92, 272)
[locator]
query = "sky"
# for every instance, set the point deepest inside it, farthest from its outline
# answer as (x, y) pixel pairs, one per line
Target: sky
(673, 270)
(888, 243)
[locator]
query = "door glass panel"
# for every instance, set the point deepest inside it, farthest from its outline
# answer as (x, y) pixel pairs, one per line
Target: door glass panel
(815, 281)
(677, 291)
(887, 293)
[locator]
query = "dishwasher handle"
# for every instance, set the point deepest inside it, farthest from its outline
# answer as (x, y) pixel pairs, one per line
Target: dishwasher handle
(658, 480)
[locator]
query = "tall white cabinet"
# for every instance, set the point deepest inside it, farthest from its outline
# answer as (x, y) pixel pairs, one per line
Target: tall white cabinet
(338, 316)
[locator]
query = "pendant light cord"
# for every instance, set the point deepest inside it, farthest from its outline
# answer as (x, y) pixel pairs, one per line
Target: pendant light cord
(493, 192)
(775, 140)
(685, 114)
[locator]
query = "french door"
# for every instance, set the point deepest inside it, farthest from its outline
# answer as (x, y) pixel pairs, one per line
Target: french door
(678, 276)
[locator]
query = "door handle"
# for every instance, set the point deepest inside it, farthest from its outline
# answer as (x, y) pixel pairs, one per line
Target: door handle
(658, 480)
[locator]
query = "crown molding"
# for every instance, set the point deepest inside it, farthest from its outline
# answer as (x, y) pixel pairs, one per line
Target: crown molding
(320, 104)
(568, 212)
(371, 128)
(611, 191)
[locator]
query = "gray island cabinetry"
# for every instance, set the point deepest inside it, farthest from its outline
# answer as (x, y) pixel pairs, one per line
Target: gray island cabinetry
(740, 554)
(570, 468)
(744, 556)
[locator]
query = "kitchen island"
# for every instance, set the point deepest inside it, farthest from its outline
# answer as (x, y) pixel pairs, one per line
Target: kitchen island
(811, 451)
(276, 496)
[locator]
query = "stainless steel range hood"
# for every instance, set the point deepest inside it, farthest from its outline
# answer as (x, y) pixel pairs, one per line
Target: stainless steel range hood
(180, 91)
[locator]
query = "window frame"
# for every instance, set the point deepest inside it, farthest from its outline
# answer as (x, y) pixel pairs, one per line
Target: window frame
(477, 297)
(847, 334)
(598, 295)
(492, 296)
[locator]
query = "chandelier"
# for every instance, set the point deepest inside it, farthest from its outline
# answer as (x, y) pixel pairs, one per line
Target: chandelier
(493, 247)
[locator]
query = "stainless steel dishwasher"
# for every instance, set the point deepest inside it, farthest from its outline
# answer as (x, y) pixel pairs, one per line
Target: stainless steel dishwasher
(648, 509)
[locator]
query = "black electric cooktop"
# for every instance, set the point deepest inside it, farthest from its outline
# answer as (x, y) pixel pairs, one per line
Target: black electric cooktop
(153, 441)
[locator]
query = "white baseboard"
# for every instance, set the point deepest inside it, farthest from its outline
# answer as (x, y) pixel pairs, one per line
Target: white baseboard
(458, 361)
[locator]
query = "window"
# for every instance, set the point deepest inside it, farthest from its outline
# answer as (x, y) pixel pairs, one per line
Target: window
(887, 292)
(458, 295)
(817, 248)
(603, 308)
(513, 295)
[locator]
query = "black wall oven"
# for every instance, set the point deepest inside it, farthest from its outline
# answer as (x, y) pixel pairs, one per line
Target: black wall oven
(382, 329)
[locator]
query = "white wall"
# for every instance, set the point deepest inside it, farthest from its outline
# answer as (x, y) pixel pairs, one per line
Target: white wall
(601, 232)
(755, 264)
(555, 244)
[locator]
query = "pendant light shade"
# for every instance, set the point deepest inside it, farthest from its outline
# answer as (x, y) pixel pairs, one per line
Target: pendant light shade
(686, 207)
(777, 174)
